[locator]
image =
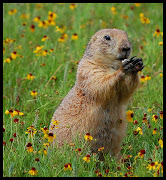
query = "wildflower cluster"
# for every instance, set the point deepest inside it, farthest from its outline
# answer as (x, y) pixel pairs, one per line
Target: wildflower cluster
(144, 19)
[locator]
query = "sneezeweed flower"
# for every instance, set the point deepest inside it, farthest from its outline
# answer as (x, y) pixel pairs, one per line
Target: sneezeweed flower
(14, 55)
(141, 153)
(113, 10)
(45, 130)
(87, 158)
(72, 6)
(154, 131)
(147, 78)
(38, 49)
(9, 40)
(154, 118)
(60, 29)
(135, 122)
(67, 167)
(43, 24)
(51, 137)
(43, 53)
(37, 159)
(29, 147)
(54, 78)
(33, 171)
(45, 38)
(137, 4)
(45, 152)
(51, 23)
(51, 50)
(142, 79)
(129, 168)
(34, 94)
(160, 43)
(31, 131)
(152, 166)
(55, 122)
(100, 149)
(145, 120)
(32, 28)
(61, 39)
(144, 19)
(149, 110)
(30, 77)
(161, 143)
(47, 144)
(37, 19)
(139, 130)
(43, 64)
(158, 33)
(161, 114)
(12, 12)
(99, 174)
(129, 156)
(88, 137)
(74, 36)
(24, 24)
(11, 140)
(161, 75)
(72, 144)
(4, 143)
(13, 113)
(78, 150)
(130, 115)
(51, 16)
(7, 60)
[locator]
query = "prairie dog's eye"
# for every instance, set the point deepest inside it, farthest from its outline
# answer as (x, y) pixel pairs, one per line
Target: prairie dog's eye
(107, 37)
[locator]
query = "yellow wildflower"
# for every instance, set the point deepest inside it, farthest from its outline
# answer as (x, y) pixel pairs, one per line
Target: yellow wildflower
(88, 137)
(87, 158)
(7, 60)
(137, 4)
(161, 143)
(74, 36)
(67, 167)
(33, 171)
(12, 12)
(72, 6)
(130, 115)
(34, 93)
(30, 77)
(113, 10)
(44, 38)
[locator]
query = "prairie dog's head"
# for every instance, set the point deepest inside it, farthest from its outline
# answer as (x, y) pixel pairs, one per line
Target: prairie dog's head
(109, 43)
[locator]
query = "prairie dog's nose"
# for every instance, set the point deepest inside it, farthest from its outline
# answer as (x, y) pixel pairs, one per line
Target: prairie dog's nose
(126, 48)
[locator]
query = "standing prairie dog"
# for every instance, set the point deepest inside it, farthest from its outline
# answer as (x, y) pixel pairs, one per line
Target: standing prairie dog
(105, 81)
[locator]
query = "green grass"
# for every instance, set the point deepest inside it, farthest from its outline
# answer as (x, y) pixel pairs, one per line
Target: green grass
(17, 161)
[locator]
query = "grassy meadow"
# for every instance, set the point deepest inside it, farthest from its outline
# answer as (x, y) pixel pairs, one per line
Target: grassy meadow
(42, 45)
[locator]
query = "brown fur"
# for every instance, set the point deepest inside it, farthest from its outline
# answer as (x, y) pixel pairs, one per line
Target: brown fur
(98, 100)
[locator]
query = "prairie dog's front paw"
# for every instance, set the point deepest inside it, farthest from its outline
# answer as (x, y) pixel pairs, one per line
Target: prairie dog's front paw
(132, 65)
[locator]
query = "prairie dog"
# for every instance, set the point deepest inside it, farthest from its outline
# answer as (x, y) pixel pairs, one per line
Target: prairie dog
(96, 104)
